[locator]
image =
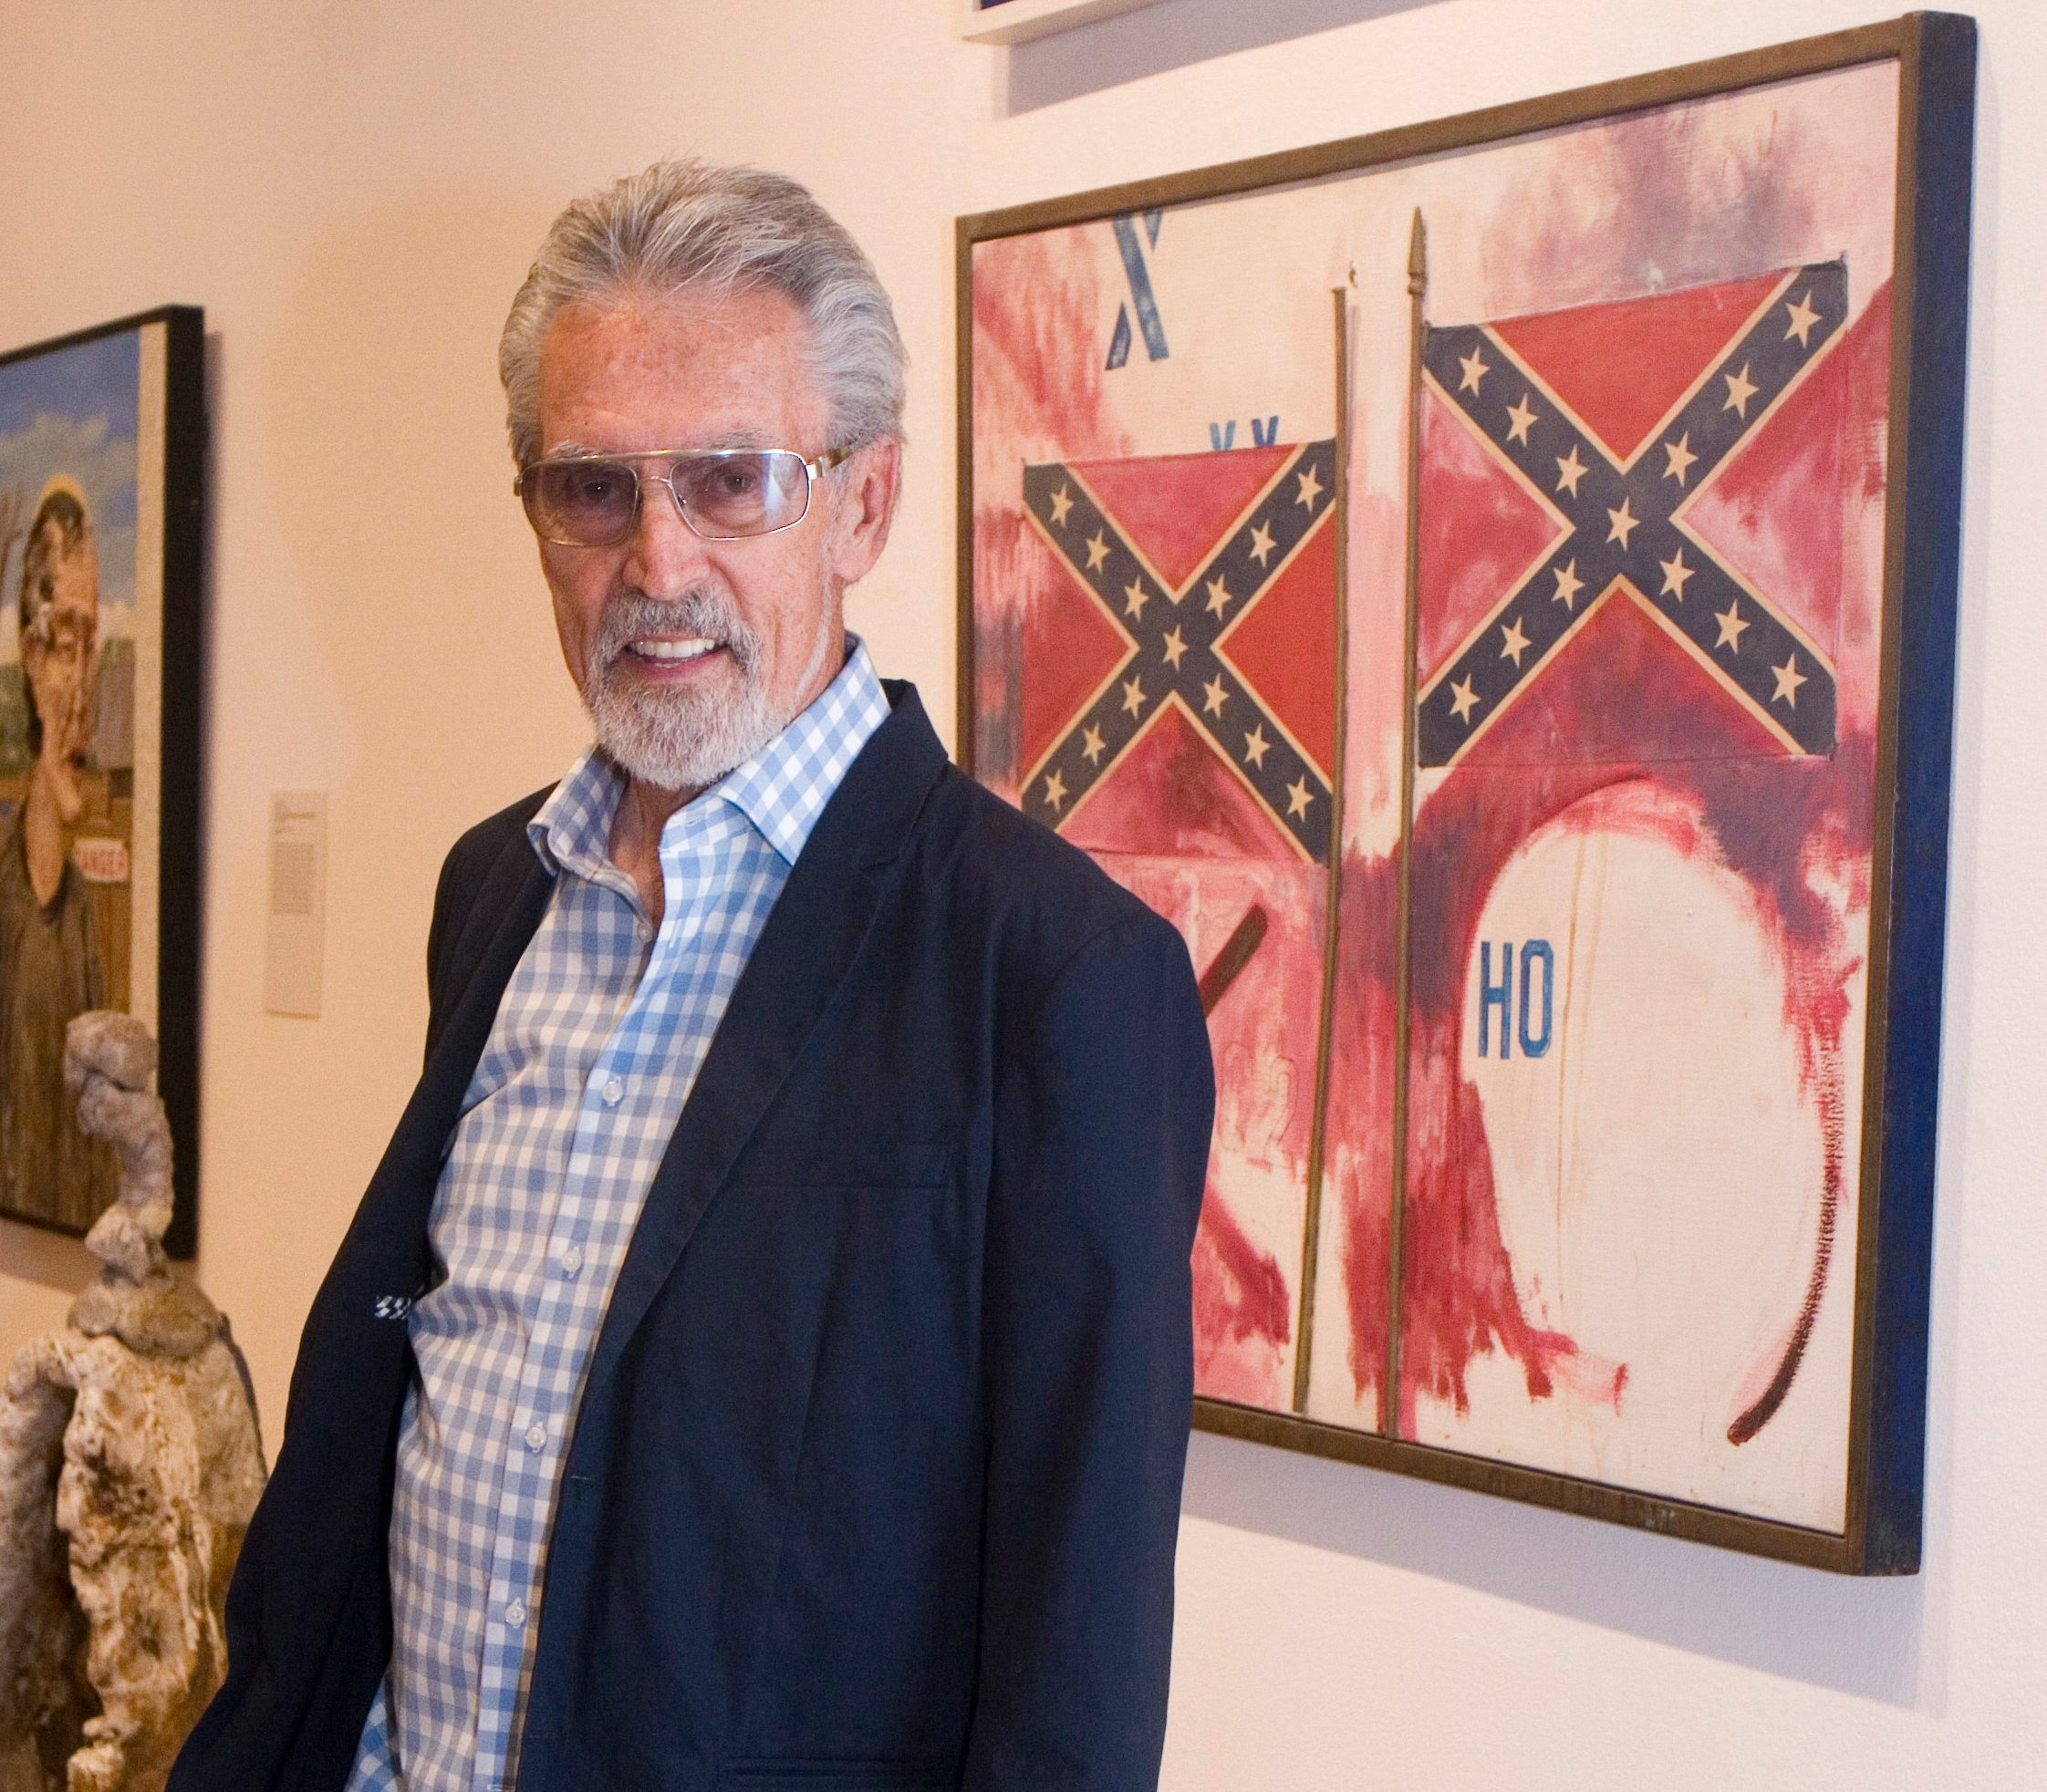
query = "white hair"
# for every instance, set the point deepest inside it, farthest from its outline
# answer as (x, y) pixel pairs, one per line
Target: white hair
(693, 224)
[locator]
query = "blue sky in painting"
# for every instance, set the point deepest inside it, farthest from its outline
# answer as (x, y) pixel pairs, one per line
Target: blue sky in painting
(74, 411)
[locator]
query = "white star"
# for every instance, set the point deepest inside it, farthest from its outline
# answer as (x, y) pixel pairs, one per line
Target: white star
(1173, 647)
(1568, 584)
(1475, 369)
(1219, 594)
(1681, 458)
(1213, 696)
(1732, 623)
(1521, 418)
(1516, 643)
(1133, 696)
(1298, 796)
(1135, 597)
(1570, 470)
(1802, 318)
(1625, 523)
(1261, 543)
(1789, 678)
(1675, 574)
(1463, 699)
(1255, 744)
(1092, 745)
(1061, 502)
(1310, 489)
(1740, 389)
(1097, 550)
(1054, 790)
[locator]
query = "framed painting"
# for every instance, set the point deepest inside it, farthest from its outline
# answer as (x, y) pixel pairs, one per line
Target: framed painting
(102, 452)
(1492, 585)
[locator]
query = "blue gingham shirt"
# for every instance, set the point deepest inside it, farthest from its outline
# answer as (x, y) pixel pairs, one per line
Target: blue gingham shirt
(596, 1042)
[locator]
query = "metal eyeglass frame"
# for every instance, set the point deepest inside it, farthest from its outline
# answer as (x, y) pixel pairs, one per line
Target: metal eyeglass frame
(813, 470)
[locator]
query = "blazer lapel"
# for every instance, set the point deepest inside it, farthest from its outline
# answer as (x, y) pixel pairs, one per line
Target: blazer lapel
(501, 923)
(803, 955)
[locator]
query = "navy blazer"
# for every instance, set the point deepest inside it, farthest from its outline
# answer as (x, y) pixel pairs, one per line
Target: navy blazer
(875, 1481)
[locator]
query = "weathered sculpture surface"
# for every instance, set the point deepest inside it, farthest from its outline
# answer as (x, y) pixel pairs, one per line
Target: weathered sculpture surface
(129, 1464)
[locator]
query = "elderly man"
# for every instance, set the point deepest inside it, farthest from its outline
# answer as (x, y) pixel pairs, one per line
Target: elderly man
(762, 1357)
(52, 965)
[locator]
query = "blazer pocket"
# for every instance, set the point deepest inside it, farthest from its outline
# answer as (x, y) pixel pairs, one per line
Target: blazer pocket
(816, 1775)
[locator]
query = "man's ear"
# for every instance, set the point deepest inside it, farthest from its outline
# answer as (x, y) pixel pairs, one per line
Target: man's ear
(865, 506)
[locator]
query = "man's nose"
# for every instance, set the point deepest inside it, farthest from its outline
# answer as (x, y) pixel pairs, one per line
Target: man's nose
(666, 556)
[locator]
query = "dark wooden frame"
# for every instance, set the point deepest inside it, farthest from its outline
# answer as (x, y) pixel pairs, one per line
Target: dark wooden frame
(183, 498)
(1935, 54)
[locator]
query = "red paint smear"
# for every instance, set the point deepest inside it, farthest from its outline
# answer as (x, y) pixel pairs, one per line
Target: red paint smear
(1036, 373)
(1622, 366)
(1177, 507)
(1009, 565)
(1263, 1033)
(1480, 532)
(1240, 1297)
(1358, 1153)
(1037, 392)
(1285, 646)
(1172, 795)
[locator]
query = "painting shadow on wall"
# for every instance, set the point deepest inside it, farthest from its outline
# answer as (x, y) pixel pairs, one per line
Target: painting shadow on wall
(1863, 1637)
(1133, 46)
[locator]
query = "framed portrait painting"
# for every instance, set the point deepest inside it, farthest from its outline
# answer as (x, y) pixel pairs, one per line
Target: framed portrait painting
(1492, 585)
(102, 448)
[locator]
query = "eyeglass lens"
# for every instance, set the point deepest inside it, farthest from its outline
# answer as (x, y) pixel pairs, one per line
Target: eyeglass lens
(592, 503)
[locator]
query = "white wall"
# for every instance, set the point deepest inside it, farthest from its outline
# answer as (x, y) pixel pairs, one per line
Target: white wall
(352, 189)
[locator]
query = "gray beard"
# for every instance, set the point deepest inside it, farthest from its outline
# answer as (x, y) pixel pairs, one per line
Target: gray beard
(682, 740)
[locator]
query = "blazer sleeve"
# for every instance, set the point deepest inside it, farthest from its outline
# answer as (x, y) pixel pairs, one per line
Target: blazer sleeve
(1102, 1116)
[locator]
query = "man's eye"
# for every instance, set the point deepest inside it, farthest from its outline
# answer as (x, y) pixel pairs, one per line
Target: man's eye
(734, 478)
(599, 486)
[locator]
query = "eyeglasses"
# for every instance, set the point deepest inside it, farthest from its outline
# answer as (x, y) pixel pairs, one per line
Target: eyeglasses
(722, 493)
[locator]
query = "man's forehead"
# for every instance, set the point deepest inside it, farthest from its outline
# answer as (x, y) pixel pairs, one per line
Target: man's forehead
(716, 369)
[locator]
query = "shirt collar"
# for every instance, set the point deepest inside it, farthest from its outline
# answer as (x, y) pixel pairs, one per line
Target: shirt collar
(782, 790)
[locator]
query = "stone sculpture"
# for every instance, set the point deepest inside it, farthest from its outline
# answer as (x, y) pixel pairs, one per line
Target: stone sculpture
(129, 1463)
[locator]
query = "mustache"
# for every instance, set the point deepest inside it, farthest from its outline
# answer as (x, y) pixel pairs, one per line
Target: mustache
(703, 611)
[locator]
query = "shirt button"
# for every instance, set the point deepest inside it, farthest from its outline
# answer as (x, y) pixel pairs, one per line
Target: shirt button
(536, 1434)
(644, 931)
(614, 1093)
(516, 1613)
(572, 1260)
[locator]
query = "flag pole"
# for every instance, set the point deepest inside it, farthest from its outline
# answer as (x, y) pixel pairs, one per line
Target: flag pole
(1396, 1225)
(1311, 1237)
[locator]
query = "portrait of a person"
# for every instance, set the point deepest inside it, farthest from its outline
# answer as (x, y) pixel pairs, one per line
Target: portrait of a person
(763, 1355)
(51, 955)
